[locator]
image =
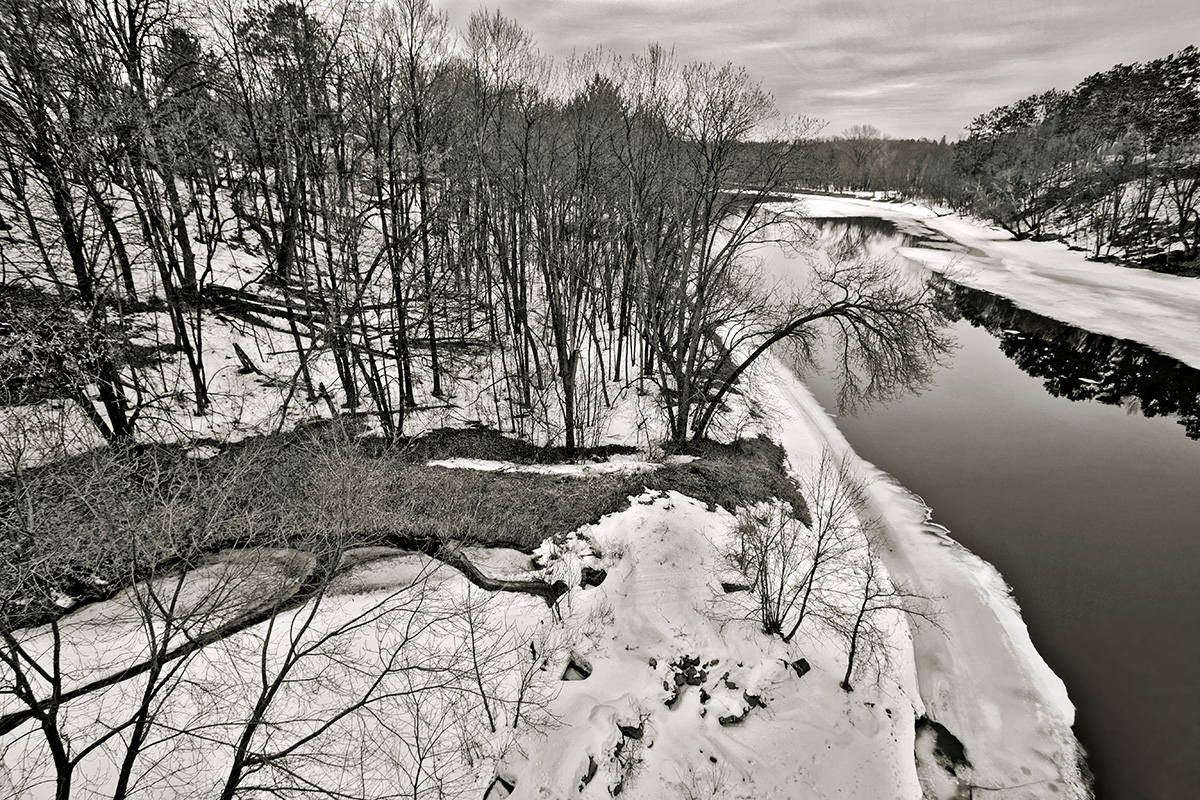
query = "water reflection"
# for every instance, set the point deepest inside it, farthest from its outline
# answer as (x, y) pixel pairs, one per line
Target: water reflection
(1091, 520)
(1072, 363)
(1081, 365)
(869, 235)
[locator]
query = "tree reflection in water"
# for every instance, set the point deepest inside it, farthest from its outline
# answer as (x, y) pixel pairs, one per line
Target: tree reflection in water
(1072, 362)
(1081, 365)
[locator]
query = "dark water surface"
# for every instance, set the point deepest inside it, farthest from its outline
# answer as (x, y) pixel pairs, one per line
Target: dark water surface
(1035, 450)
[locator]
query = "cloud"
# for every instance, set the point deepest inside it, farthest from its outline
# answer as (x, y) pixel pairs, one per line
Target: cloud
(909, 67)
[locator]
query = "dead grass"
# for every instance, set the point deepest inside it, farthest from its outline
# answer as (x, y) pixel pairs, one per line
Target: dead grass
(103, 513)
(743, 473)
(517, 510)
(491, 445)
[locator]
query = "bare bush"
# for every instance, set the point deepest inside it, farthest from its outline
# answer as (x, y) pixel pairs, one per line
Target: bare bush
(787, 562)
(91, 685)
(868, 611)
(828, 571)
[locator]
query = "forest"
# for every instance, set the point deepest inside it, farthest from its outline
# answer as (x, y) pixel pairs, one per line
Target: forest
(409, 197)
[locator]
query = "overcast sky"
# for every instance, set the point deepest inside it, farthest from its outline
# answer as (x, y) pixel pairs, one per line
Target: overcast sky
(909, 67)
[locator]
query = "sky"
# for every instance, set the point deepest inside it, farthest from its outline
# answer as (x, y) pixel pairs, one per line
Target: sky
(911, 68)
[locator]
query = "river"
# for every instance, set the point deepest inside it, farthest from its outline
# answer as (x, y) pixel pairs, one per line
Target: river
(1035, 450)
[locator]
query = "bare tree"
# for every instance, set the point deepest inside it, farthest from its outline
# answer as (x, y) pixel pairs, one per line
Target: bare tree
(838, 511)
(770, 552)
(865, 152)
(700, 223)
(707, 313)
(887, 332)
(861, 620)
(129, 552)
(56, 348)
(315, 686)
(828, 572)
(284, 665)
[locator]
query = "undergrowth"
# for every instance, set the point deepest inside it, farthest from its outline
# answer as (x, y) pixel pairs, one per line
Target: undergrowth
(103, 516)
(740, 474)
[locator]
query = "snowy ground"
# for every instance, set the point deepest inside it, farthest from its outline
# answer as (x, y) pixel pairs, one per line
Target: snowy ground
(629, 725)
(661, 603)
(1161, 311)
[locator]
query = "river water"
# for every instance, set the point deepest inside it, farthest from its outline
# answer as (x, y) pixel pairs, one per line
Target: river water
(1070, 462)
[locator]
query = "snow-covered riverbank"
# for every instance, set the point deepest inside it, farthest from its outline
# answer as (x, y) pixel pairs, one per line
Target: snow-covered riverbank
(975, 672)
(1158, 310)
(683, 695)
(663, 614)
(978, 673)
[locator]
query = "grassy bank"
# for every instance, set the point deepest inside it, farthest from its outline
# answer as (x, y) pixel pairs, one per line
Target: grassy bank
(90, 525)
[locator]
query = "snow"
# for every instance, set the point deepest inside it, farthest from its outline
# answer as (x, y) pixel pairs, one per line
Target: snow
(617, 464)
(391, 607)
(1159, 310)
(976, 672)
(99, 639)
(501, 563)
(661, 602)
(627, 725)
(386, 568)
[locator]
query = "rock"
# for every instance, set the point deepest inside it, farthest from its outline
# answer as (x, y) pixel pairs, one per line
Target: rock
(801, 666)
(948, 746)
(591, 576)
(591, 773)
(632, 731)
(576, 671)
(733, 719)
(730, 588)
(499, 789)
(687, 670)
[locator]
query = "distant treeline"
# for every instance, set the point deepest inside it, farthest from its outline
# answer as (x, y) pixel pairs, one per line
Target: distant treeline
(864, 160)
(1113, 165)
